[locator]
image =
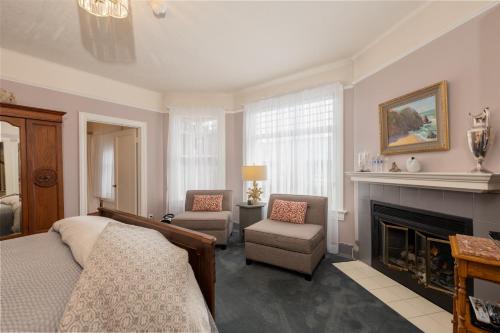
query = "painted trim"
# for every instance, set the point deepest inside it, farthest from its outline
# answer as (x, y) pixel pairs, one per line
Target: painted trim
(463, 21)
(390, 30)
(83, 119)
(25, 69)
(341, 214)
(297, 76)
(450, 181)
(239, 110)
(102, 98)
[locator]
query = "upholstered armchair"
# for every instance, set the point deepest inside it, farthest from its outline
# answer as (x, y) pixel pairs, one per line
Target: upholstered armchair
(217, 224)
(298, 247)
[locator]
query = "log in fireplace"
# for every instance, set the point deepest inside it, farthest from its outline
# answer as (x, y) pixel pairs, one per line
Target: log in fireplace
(411, 246)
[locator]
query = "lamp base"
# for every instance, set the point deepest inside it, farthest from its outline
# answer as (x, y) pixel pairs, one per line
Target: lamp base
(254, 194)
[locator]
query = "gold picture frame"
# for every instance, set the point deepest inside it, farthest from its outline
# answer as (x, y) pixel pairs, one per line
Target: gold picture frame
(415, 122)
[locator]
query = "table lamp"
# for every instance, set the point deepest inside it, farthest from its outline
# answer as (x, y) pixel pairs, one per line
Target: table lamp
(254, 173)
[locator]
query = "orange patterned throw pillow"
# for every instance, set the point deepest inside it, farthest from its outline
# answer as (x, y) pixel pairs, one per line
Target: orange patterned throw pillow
(207, 202)
(289, 211)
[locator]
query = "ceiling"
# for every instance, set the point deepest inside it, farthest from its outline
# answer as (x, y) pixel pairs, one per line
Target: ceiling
(198, 46)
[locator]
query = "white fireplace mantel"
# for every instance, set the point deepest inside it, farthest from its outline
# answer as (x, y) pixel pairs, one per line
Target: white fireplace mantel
(463, 182)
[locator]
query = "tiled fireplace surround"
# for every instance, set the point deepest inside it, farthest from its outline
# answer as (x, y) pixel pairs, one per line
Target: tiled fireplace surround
(483, 209)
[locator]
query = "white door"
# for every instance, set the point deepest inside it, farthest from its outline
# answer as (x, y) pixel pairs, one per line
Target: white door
(126, 171)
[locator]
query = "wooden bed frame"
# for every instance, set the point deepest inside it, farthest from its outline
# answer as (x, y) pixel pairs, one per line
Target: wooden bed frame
(200, 247)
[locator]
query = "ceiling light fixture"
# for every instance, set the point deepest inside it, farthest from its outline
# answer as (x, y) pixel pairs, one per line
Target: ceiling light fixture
(104, 8)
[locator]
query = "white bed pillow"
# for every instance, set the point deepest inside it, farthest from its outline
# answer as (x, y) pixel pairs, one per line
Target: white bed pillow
(80, 233)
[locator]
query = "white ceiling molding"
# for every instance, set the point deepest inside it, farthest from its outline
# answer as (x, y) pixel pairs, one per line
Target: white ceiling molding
(33, 71)
(422, 26)
(339, 71)
(299, 75)
(199, 99)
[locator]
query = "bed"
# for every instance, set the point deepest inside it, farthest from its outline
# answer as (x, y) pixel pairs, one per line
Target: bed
(41, 281)
(10, 214)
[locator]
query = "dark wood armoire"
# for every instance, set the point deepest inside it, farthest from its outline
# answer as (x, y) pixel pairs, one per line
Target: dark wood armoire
(31, 170)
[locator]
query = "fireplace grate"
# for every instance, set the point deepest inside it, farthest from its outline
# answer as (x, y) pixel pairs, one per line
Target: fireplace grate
(412, 247)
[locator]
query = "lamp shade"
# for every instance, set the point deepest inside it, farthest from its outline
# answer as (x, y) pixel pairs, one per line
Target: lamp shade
(254, 172)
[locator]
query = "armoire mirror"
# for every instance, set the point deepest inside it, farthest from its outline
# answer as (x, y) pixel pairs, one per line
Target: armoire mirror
(10, 186)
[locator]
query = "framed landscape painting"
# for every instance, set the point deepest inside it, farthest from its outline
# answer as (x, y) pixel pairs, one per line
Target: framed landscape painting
(415, 122)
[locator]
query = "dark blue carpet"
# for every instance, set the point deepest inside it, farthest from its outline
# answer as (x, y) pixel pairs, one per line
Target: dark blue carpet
(261, 298)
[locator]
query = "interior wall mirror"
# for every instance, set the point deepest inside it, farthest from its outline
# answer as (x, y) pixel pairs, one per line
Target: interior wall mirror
(10, 181)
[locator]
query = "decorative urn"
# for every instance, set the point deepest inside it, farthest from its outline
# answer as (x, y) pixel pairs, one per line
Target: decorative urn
(479, 138)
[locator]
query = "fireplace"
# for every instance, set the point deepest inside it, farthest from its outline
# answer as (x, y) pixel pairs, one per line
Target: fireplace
(411, 246)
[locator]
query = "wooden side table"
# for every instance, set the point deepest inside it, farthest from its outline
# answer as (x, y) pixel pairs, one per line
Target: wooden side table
(249, 214)
(474, 258)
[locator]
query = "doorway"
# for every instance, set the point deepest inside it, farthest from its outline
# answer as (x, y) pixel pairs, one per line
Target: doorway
(112, 164)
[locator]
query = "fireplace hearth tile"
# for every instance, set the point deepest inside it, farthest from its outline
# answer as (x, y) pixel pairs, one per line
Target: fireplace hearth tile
(458, 204)
(377, 192)
(429, 324)
(414, 307)
(430, 199)
(393, 293)
(376, 282)
(443, 318)
(486, 207)
(391, 194)
(363, 191)
(357, 270)
(425, 315)
(482, 228)
(408, 197)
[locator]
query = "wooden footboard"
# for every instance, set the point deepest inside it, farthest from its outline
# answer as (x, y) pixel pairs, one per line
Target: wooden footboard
(201, 248)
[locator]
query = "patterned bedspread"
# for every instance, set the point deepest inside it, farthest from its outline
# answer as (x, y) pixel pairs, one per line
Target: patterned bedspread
(134, 280)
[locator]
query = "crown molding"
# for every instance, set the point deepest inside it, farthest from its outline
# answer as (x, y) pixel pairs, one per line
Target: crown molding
(297, 76)
(37, 72)
(453, 25)
(390, 30)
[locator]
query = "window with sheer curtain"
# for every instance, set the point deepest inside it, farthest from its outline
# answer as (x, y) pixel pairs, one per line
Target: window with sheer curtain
(299, 138)
(196, 153)
(104, 166)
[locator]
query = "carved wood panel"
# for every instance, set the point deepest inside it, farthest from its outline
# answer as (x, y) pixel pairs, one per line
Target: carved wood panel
(45, 169)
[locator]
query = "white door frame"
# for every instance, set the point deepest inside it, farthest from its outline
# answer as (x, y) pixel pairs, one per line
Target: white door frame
(84, 118)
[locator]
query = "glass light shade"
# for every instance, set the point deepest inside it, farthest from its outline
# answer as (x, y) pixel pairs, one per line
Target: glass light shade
(119, 8)
(254, 172)
(104, 8)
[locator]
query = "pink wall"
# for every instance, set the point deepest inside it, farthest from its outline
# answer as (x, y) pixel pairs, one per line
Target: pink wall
(469, 59)
(72, 104)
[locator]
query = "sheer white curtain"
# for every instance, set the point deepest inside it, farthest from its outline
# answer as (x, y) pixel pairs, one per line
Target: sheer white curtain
(299, 137)
(196, 153)
(104, 166)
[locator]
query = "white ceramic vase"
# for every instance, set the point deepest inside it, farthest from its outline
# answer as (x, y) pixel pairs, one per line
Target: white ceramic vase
(413, 165)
